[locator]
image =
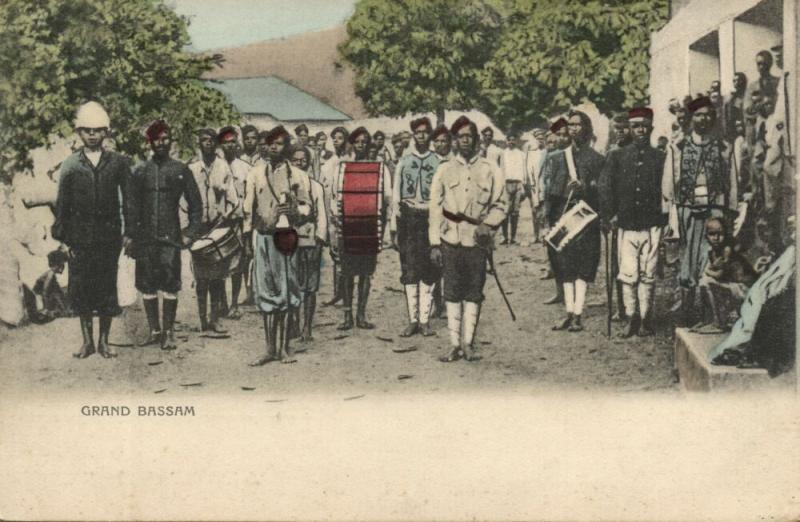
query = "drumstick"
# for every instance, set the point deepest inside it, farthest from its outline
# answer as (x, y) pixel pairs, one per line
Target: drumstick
(569, 198)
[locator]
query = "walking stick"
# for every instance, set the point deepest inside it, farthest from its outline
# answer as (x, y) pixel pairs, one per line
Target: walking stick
(609, 287)
(490, 258)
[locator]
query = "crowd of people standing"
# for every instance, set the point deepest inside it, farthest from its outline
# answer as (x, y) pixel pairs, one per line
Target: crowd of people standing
(443, 193)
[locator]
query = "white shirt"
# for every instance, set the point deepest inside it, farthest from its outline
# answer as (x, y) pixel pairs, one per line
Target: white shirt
(318, 227)
(217, 188)
(512, 162)
(473, 188)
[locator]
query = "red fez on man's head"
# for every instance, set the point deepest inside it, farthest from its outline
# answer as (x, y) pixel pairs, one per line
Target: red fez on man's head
(558, 125)
(276, 133)
(438, 131)
(462, 121)
(227, 133)
(358, 132)
(156, 130)
(699, 103)
(421, 121)
(641, 112)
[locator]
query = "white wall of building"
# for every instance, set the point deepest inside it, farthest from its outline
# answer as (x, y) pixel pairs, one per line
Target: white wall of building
(677, 70)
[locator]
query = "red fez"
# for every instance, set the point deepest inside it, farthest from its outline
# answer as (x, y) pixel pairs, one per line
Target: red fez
(438, 131)
(358, 132)
(226, 133)
(156, 130)
(462, 121)
(641, 112)
(699, 103)
(558, 125)
(421, 121)
(276, 133)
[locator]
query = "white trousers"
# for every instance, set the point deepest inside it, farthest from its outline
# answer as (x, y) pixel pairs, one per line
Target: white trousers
(638, 255)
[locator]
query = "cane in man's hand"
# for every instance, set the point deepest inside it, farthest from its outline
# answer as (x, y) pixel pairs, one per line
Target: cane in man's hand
(609, 284)
(485, 243)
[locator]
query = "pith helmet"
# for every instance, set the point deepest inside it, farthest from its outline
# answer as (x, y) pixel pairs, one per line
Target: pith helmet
(92, 115)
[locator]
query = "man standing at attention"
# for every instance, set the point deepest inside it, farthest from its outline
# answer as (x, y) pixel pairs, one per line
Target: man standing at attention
(512, 165)
(220, 202)
(409, 225)
(534, 159)
(88, 223)
(328, 178)
(467, 204)
(358, 265)
(154, 195)
(574, 176)
(274, 208)
(631, 196)
(312, 235)
(237, 170)
(697, 184)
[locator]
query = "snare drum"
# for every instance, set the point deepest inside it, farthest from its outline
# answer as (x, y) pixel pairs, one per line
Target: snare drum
(570, 225)
(218, 245)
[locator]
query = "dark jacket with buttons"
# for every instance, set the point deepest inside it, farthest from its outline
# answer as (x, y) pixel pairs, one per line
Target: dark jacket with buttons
(154, 195)
(90, 203)
(631, 187)
(555, 175)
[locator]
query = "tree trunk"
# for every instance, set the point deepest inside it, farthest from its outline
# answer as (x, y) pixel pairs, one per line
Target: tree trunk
(439, 117)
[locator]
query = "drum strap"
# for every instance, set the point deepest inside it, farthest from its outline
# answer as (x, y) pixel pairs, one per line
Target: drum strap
(573, 173)
(269, 183)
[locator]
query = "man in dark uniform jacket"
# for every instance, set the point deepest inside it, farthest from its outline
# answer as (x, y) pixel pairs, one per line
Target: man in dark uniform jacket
(88, 222)
(631, 196)
(573, 176)
(155, 191)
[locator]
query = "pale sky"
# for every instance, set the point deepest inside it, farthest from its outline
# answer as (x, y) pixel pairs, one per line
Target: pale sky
(217, 24)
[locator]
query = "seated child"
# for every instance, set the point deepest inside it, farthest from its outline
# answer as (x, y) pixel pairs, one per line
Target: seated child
(54, 301)
(727, 275)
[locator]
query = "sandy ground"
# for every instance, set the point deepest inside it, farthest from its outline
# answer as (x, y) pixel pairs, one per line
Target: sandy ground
(523, 356)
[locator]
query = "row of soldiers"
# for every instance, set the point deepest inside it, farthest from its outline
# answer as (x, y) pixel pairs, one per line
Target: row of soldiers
(279, 202)
(442, 208)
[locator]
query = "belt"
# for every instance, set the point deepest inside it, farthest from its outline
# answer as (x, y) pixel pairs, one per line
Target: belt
(458, 218)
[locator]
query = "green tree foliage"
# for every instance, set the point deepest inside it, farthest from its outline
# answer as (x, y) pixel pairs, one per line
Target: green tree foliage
(556, 54)
(127, 54)
(419, 55)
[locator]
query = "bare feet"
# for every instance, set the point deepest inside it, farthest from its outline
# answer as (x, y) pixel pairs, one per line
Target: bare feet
(469, 353)
(362, 323)
(168, 341)
(85, 351)
(348, 322)
(426, 330)
(261, 361)
(454, 355)
(410, 330)
(103, 349)
(153, 338)
(217, 328)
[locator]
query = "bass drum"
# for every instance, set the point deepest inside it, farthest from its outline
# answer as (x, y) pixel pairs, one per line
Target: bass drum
(360, 204)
